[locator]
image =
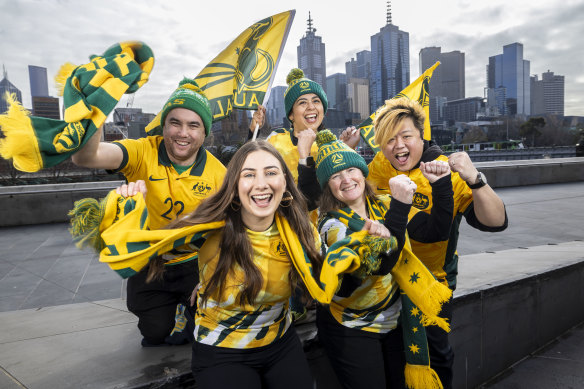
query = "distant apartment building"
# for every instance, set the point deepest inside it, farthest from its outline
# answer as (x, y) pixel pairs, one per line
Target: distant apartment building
(311, 55)
(547, 94)
(511, 72)
(131, 122)
(448, 80)
(390, 63)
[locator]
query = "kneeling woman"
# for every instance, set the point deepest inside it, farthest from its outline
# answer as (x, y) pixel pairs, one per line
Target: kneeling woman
(249, 236)
(359, 328)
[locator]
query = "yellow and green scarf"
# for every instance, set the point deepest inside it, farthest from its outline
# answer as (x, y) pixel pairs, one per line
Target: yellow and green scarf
(90, 92)
(422, 296)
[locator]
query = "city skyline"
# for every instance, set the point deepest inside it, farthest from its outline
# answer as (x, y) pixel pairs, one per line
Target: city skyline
(184, 45)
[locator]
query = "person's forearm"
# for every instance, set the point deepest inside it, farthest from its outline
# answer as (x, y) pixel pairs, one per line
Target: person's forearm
(488, 207)
(86, 155)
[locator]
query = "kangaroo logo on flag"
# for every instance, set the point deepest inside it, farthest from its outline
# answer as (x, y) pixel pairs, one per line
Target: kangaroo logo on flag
(248, 65)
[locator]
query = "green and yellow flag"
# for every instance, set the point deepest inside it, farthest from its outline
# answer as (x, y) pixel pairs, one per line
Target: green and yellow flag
(240, 76)
(418, 90)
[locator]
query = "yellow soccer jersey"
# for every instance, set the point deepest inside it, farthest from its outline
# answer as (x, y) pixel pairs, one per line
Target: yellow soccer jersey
(373, 304)
(169, 194)
(283, 140)
(225, 323)
(436, 256)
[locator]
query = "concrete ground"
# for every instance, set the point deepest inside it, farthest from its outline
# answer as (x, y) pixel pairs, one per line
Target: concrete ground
(63, 321)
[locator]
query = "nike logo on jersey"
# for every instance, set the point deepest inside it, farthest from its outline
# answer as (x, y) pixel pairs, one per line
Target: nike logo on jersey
(156, 179)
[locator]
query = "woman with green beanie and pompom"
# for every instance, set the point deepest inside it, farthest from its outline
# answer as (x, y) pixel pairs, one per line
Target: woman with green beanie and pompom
(306, 104)
(361, 329)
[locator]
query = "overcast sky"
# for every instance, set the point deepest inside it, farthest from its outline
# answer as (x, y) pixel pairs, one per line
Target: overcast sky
(185, 36)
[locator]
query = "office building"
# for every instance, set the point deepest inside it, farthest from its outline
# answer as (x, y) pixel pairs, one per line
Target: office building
(359, 68)
(275, 112)
(358, 96)
(46, 107)
(39, 86)
(510, 71)
(390, 62)
(448, 80)
(463, 110)
(311, 55)
(547, 94)
(7, 86)
(336, 91)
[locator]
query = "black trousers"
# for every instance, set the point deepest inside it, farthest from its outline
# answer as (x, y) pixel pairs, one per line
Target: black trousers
(441, 353)
(362, 359)
(281, 364)
(155, 302)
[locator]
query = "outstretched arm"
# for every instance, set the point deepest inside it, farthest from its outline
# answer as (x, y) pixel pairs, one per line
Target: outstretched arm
(98, 155)
(488, 207)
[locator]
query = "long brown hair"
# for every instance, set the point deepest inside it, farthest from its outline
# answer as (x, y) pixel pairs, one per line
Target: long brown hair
(235, 246)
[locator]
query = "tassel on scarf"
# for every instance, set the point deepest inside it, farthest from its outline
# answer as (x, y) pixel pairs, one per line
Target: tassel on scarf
(369, 252)
(64, 73)
(422, 377)
(20, 139)
(86, 217)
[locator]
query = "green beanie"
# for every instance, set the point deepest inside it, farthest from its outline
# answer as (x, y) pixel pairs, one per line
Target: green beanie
(334, 156)
(188, 95)
(298, 85)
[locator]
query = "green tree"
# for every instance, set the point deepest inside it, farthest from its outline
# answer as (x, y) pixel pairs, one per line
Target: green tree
(532, 129)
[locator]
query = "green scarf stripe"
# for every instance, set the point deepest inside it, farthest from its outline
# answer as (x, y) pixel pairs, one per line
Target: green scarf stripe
(133, 247)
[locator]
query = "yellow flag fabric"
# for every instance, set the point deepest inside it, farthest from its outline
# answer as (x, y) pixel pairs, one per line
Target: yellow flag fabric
(240, 76)
(418, 90)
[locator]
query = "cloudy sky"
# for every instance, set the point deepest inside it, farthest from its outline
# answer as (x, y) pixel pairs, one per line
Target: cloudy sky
(186, 35)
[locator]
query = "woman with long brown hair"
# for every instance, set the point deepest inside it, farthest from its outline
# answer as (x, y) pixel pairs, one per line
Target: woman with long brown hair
(254, 241)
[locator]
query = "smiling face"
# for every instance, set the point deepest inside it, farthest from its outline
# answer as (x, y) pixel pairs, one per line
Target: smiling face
(348, 186)
(261, 186)
(307, 112)
(404, 150)
(184, 134)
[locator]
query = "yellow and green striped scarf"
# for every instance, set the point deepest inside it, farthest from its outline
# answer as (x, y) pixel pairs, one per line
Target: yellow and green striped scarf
(118, 228)
(90, 92)
(422, 296)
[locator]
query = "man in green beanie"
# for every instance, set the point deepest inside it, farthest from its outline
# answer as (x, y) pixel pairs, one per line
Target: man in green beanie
(178, 174)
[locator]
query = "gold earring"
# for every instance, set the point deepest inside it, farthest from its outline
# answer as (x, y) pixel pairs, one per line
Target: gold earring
(286, 199)
(237, 204)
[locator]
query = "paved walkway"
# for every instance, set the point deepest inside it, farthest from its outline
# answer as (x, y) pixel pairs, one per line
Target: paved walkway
(63, 311)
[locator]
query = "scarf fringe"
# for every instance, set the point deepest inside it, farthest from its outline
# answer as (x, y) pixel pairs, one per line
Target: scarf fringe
(369, 253)
(20, 143)
(422, 377)
(64, 73)
(86, 217)
(431, 303)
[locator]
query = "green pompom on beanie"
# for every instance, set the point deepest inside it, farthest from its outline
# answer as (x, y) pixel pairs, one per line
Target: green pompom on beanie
(188, 95)
(334, 156)
(299, 85)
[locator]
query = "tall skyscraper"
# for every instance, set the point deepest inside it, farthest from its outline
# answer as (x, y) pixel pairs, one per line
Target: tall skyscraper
(336, 90)
(7, 86)
(447, 82)
(311, 55)
(510, 71)
(360, 68)
(39, 85)
(42, 104)
(547, 94)
(275, 107)
(390, 62)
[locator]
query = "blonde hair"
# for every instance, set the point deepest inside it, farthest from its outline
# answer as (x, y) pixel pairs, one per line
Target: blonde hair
(392, 113)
